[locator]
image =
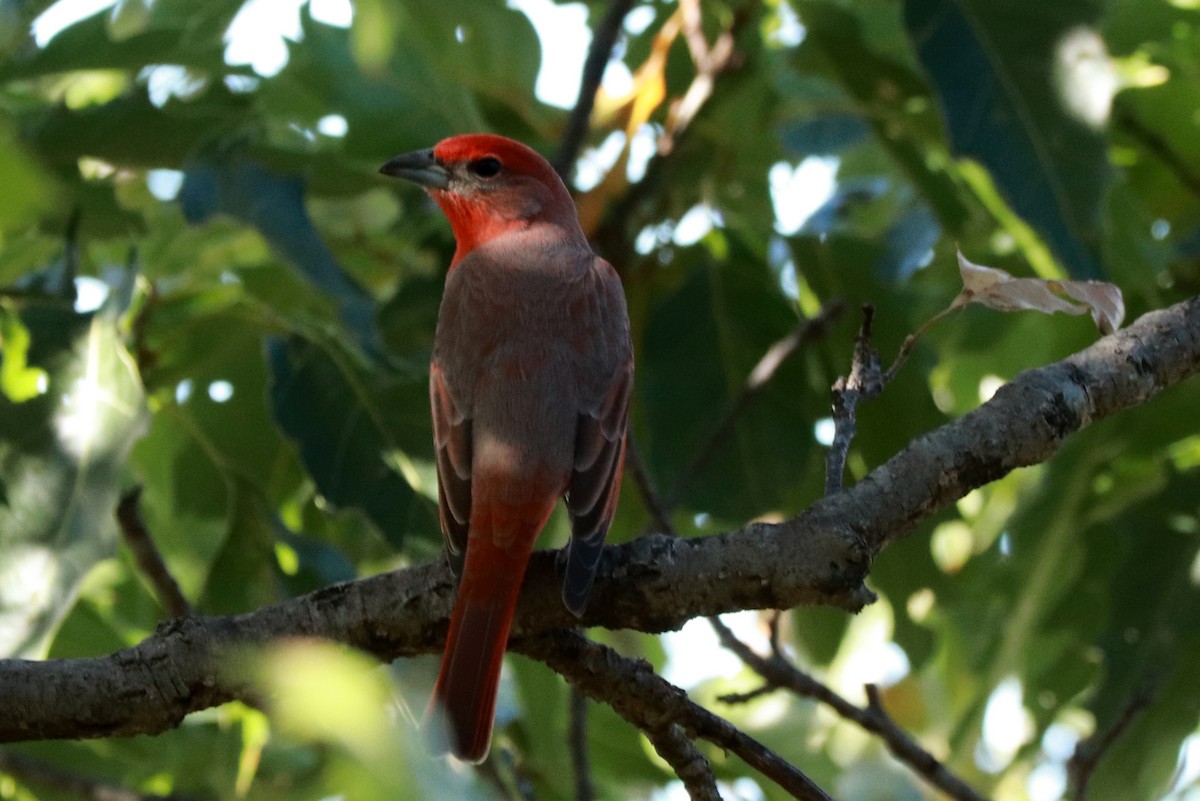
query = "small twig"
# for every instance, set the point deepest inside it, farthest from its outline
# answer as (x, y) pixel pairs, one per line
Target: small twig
(778, 672)
(688, 763)
(641, 477)
(613, 233)
(864, 381)
(711, 63)
(652, 704)
(745, 698)
(584, 790)
(32, 771)
(774, 357)
(604, 38)
(1089, 752)
(145, 552)
(910, 342)
(500, 772)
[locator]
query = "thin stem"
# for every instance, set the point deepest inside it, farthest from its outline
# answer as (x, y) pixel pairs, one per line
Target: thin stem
(764, 371)
(146, 553)
(779, 672)
(604, 39)
(1089, 753)
(584, 790)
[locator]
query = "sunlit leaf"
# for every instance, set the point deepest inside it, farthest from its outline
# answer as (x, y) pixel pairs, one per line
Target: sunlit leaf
(61, 459)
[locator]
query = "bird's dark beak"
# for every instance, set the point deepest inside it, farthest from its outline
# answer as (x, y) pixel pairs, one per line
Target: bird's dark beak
(421, 167)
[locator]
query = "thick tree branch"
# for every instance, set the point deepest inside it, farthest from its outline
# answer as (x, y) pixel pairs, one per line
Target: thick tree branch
(651, 584)
(688, 763)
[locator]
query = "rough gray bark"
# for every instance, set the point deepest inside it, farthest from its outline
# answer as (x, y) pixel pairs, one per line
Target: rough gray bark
(652, 584)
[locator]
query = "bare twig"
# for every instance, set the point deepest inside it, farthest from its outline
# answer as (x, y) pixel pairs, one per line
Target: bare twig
(774, 357)
(29, 770)
(864, 382)
(641, 477)
(779, 672)
(654, 705)
(584, 790)
(1089, 752)
(745, 698)
(711, 62)
(604, 38)
(719, 59)
(910, 342)
(149, 560)
(688, 763)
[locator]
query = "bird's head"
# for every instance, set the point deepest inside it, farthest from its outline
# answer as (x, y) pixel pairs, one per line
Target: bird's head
(487, 186)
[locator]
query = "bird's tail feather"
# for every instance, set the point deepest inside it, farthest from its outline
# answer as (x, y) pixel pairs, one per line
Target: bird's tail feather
(463, 705)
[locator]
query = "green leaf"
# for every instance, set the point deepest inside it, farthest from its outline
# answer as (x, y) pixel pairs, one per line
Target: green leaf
(700, 344)
(356, 434)
(244, 574)
(61, 460)
(999, 75)
(27, 190)
(132, 38)
(18, 381)
(887, 92)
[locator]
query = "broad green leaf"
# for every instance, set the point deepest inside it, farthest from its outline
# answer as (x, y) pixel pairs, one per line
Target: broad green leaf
(700, 344)
(887, 93)
(130, 40)
(61, 460)
(28, 191)
(355, 436)
(1006, 77)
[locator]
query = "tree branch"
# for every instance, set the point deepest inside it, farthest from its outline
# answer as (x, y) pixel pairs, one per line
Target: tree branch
(688, 763)
(604, 38)
(1089, 752)
(145, 552)
(780, 673)
(654, 705)
(584, 790)
(653, 583)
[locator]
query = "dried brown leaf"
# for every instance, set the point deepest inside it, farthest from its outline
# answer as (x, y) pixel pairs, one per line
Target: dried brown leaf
(1001, 291)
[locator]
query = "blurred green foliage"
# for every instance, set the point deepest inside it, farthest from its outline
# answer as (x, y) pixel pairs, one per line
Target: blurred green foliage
(207, 291)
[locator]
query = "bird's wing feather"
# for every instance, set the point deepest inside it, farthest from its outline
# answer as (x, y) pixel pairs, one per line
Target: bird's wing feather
(599, 456)
(452, 444)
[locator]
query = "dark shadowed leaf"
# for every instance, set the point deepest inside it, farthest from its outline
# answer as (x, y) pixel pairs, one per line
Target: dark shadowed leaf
(1002, 75)
(324, 404)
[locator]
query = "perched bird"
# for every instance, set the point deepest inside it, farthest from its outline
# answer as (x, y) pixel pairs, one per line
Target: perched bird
(529, 383)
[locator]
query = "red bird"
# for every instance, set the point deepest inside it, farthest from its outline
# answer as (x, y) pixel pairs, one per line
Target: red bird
(529, 383)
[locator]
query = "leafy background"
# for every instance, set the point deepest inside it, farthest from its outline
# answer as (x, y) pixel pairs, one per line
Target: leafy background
(210, 293)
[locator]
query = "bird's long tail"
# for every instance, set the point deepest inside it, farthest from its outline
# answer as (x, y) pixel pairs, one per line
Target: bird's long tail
(463, 705)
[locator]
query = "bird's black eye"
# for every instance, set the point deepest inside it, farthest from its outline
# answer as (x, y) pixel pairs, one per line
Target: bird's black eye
(486, 167)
